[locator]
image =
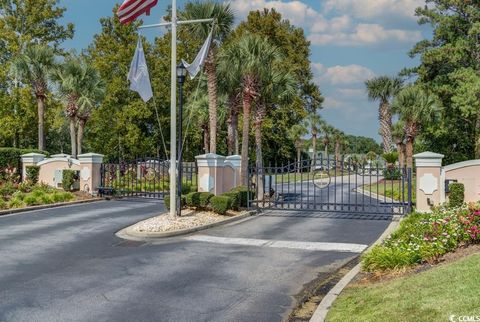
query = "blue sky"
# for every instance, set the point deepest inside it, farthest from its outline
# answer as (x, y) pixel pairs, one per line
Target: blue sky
(352, 40)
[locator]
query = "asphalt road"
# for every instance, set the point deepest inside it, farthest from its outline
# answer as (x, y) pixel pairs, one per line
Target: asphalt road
(66, 264)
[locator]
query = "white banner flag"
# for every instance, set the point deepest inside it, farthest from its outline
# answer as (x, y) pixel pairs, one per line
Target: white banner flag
(138, 75)
(197, 64)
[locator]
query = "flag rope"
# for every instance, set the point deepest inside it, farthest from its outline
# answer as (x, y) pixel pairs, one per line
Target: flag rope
(160, 127)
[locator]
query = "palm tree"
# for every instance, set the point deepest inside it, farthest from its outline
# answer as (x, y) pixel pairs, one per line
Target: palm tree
(197, 110)
(224, 18)
(382, 89)
(340, 141)
(76, 84)
(327, 131)
(34, 67)
(296, 134)
(314, 122)
(277, 86)
(416, 108)
(398, 134)
(92, 93)
(250, 59)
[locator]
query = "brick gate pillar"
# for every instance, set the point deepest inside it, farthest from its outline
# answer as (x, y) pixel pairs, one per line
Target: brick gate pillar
(218, 174)
(429, 184)
(90, 172)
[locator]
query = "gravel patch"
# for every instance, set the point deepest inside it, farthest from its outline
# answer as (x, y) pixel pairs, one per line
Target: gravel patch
(188, 219)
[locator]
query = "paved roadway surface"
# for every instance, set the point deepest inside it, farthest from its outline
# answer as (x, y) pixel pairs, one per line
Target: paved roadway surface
(66, 264)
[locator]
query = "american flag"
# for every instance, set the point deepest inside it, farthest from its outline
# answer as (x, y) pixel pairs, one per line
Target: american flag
(132, 9)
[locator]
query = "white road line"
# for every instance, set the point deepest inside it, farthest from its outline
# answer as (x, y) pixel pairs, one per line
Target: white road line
(308, 246)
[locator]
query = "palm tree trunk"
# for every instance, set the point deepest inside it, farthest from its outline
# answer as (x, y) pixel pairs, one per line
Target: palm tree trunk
(247, 102)
(81, 129)
(409, 151)
(259, 158)
(210, 70)
(206, 140)
(41, 117)
(232, 124)
(401, 154)
(337, 154)
(73, 138)
(314, 149)
(385, 117)
(326, 151)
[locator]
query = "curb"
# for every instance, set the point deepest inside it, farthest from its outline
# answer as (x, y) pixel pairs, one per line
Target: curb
(41, 207)
(324, 306)
(129, 234)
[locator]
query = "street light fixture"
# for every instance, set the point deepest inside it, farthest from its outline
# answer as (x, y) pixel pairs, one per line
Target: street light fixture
(181, 74)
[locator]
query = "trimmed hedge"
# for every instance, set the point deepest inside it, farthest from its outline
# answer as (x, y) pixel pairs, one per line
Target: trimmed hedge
(221, 204)
(193, 200)
(204, 198)
(32, 173)
(11, 159)
(166, 200)
(236, 199)
(245, 195)
(457, 194)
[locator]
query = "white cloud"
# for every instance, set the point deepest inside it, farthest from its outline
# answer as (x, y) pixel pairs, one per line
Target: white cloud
(337, 75)
(371, 9)
(297, 12)
(365, 34)
(352, 92)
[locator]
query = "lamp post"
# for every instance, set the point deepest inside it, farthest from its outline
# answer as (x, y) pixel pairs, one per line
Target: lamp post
(181, 74)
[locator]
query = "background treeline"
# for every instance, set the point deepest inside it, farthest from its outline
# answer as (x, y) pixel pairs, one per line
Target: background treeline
(97, 112)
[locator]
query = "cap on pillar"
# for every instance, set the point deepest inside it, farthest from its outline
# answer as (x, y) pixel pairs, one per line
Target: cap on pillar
(90, 158)
(32, 158)
(428, 159)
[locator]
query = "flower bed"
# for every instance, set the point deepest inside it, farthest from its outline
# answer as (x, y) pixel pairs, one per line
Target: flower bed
(13, 196)
(425, 238)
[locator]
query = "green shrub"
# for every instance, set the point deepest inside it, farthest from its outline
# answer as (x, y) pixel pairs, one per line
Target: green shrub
(18, 195)
(25, 186)
(457, 194)
(235, 195)
(7, 189)
(193, 200)
(37, 193)
(245, 195)
(15, 203)
(392, 174)
(58, 196)
(186, 188)
(166, 200)
(46, 199)
(68, 196)
(69, 178)
(32, 173)
(205, 199)
(30, 200)
(3, 204)
(221, 204)
(381, 258)
(390, 157)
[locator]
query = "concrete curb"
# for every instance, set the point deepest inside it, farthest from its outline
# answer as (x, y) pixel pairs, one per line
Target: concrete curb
(129, 234)
(324, 306)
(41, 207)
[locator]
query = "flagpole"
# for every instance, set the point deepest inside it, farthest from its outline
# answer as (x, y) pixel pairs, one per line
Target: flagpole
(173, 115)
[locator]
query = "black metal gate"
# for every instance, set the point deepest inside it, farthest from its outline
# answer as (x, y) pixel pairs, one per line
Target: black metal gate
(347, 186)
(146, 177)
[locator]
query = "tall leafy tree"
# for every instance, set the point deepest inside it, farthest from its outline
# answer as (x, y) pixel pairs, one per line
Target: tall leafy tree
(417, 108)
(223, 22)
(34, 67)
(382, 89)
(450, 67)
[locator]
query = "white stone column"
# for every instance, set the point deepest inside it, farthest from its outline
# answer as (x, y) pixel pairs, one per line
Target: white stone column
(210, 173)
(90, 172)
(30, 159)
(430, 189)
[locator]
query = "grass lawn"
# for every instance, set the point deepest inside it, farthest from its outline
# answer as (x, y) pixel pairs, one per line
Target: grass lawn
(431, 295)
(391, 189)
